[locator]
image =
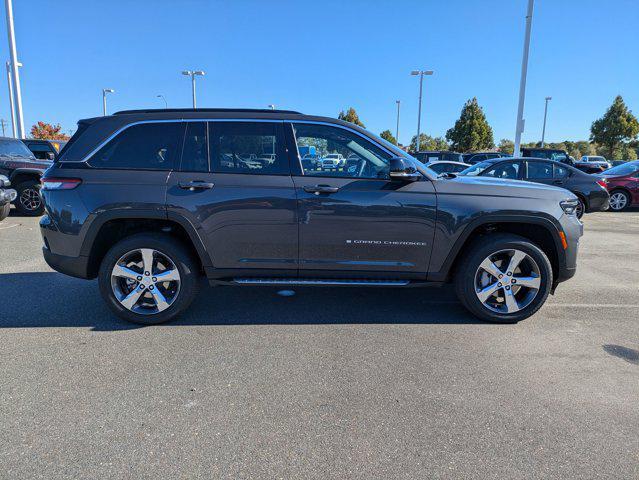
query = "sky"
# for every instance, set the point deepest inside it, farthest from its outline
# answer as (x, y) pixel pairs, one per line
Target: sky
(320, 57)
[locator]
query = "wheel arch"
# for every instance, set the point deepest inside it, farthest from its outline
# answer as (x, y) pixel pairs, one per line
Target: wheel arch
(20, 175)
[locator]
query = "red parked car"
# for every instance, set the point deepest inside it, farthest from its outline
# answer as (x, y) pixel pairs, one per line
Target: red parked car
(623, 185)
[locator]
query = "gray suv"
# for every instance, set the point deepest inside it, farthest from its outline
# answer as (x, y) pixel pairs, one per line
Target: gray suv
(148, 201)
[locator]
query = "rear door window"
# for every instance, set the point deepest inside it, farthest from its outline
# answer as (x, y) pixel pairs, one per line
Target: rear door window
(247, 147)
(540, 170)
(560, 172)
(147, 146)
(195, 152)
(509, 170)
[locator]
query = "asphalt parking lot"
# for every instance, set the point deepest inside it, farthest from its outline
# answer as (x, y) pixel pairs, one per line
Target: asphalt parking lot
(328, 383)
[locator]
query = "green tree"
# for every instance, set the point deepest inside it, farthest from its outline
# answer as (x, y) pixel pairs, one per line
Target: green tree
(617, 126)
(506, 146)
(471, 130)
(426, 142)
(388, 136)
(351, 116)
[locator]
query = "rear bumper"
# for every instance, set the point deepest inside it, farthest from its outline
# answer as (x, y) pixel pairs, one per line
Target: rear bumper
(73, 266)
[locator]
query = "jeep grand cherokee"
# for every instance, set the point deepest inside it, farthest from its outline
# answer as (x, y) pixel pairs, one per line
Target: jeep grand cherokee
(149, 200)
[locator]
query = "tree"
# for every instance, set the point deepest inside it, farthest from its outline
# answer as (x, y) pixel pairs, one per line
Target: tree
(617, 126)
(506, 146)
(47, 131)
(471, 130)
(351, 116)
(388, 136)
(426, 142)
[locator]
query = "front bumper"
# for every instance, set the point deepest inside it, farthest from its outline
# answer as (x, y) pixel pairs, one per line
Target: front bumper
(573, 230)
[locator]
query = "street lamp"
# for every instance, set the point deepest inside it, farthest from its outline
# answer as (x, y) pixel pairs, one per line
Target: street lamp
(421, 74)
(519, 126)
(16, 95)
(104, 94)
(192, 74)
(271, 106)
(543, 131)
(397, 128)
(166, 105)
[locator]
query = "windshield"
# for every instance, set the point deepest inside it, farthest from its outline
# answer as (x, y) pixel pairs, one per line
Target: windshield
(623, 169)
(476, 169)
(14, 148)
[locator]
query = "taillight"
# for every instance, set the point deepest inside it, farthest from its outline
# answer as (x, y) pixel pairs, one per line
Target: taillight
(51, 183)
(603, 183)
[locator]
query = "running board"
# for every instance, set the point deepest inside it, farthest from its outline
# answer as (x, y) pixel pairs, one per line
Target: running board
(321, 282)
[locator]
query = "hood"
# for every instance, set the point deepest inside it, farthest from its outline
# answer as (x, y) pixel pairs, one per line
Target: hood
(500, 187)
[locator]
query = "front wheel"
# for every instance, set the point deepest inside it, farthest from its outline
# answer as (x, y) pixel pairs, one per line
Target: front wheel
(28, 201)
(148, 279)
(503, 278)
(581, 208)
(619, 200)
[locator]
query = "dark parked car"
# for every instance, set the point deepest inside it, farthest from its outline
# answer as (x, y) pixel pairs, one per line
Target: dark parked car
(437, 156)
(591, 191)
(623, 185)
(148, 200)
(447, 167)
(7, 195)
(24, 171)
(475, 157)
(44, 149)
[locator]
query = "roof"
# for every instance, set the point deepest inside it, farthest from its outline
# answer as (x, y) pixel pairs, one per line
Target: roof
(204, 110)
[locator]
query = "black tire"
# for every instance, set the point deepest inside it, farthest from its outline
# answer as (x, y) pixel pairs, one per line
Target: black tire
(581, 208)
(4, 211)
(29, 202)
(187, 267)
(475, 255)
(625, 195)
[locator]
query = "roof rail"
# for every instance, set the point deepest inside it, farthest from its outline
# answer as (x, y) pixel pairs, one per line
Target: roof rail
(194, 110)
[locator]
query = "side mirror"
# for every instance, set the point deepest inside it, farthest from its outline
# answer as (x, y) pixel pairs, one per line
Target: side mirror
(401, 170)
(51, 156)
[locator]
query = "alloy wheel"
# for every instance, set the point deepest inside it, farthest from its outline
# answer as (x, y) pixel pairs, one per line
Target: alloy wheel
(145, 281)
(618, 201)
(30, 199)
(507, 281)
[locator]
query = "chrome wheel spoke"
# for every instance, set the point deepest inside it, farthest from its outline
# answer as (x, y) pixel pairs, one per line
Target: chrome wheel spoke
(167, 276)
(147, 260)
(511, 303)
(132, 298)
(160, 300)
(515, 260)
(491, 268)
(125, 272)
(530, 282)
(485, 293)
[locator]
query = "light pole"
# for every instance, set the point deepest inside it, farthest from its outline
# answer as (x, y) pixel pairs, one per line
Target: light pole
(14, 127)
(397, 127)
(15, 74)
(192, 74)
(104, 94)
(271, 106)
(421, 74)
(519, 127)
(166, 105)
(3, 122)
(543, 131)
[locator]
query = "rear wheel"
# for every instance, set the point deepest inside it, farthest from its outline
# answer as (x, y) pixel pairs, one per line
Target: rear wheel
(581, 208)
(28, 201)
(148, 279)
(503, 278)
(619, 200)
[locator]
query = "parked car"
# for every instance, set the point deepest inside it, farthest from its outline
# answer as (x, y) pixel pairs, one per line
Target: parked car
(591, 191)
(475, 157)
(132, 202)
(7, 195)
(437, 155)
(623, 185)
(596, 160)
(616, 163)
(447, 167)
(333, 160)
(557, 155)
(44, 149)
(24, 171)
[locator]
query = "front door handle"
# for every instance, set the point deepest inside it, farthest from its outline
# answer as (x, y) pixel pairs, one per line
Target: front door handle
(317, 189)
(196, 185)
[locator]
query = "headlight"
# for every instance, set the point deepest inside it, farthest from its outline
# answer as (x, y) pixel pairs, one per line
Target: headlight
(569, 206)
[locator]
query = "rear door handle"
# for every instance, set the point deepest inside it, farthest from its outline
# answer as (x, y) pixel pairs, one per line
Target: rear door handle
(196, 185)
(317, 189)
